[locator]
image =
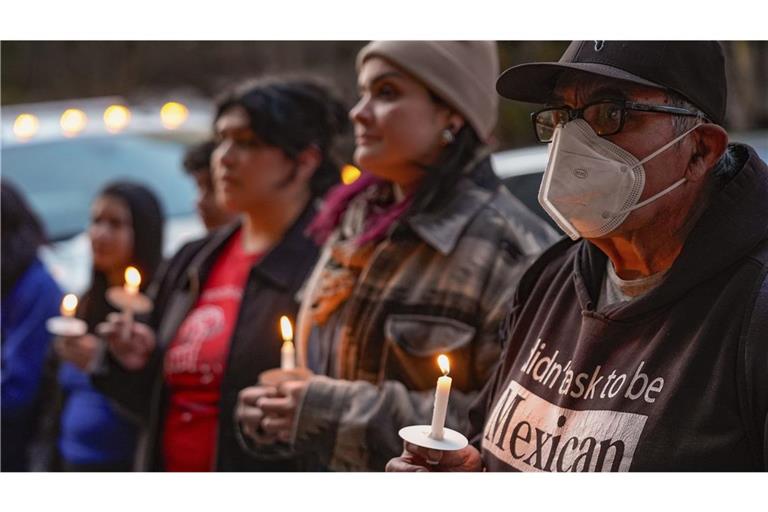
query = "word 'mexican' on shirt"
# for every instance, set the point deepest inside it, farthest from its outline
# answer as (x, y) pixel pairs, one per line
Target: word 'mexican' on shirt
(532, 434)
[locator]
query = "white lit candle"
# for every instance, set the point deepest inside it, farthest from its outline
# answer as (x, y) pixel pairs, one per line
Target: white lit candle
(67, 325)
(131, 287)
(68, 305)
(288, 351)
(442, 392)
(132, 281)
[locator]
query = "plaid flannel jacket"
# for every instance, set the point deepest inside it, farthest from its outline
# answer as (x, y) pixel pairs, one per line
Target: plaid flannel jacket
(439, 283)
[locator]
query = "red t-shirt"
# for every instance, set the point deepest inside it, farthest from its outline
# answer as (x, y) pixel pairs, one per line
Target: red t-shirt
(196, 359)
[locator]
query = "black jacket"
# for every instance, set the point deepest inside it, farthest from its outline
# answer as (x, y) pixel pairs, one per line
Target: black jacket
(674, 380)
(255, 345)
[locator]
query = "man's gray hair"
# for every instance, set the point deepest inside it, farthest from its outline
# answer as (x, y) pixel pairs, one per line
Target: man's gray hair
(727, 166)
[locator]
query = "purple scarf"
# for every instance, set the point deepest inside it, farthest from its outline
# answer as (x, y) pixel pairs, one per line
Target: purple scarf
(378, 221)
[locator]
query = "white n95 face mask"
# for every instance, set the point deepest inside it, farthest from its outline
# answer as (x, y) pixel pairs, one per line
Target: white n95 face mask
(591, 185)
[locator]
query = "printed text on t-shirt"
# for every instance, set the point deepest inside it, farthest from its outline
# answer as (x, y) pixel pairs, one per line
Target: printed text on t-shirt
(595, 384)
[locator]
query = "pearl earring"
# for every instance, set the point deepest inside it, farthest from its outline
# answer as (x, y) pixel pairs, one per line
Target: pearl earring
(447, 136)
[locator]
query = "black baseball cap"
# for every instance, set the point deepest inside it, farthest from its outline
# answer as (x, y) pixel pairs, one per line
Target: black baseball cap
(694, 69)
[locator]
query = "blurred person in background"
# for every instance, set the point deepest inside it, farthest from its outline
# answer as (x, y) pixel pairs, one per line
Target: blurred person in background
(30, 296)
(214, 328)
(197, 163)
(126, 229)
(421, 257)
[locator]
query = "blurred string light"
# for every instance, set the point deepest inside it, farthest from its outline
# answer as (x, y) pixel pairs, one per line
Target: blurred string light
(26, 126)
(173, 115)
(116, 118)
(73, 121)
(349, 174)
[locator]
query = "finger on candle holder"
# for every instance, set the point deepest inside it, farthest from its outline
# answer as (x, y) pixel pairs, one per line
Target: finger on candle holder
(429, 455)
(251, 415)
(278, 406)
(275, 425)
(405, 464)
(105, 329)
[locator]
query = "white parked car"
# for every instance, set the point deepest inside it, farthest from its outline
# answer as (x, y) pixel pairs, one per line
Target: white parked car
(521, 171)
(60, 155)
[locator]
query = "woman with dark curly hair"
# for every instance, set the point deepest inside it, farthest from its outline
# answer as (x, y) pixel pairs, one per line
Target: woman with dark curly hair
(217, 305)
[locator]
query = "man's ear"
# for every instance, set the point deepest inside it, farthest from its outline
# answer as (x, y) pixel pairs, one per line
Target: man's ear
(710, 142)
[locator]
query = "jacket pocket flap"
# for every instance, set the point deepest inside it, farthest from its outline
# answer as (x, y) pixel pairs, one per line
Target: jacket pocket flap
(424, 335)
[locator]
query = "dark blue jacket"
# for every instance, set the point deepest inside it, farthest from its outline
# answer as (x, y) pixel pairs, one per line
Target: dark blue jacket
(92, 431)
(25, 342)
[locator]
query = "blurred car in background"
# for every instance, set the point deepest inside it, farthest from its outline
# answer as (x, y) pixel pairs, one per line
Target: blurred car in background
(521, 169)
(60, 155)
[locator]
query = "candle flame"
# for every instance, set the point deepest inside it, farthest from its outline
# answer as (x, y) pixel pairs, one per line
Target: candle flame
(68, 304)
(444, 364)
(286, 329)
(349, 174)
(132, 280)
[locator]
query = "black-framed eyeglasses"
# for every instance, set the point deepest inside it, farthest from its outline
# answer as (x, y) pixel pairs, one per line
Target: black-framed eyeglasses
(606, 117)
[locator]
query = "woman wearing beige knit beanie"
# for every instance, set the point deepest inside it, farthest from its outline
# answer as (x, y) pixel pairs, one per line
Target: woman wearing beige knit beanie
(421, 256)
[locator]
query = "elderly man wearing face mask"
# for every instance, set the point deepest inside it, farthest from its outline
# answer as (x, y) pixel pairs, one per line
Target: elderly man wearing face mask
(640, 342)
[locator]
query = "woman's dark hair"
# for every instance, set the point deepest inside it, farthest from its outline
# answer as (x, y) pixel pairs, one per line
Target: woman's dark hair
(198, 157)
(22, 235)
(442, 177)
(147, 225)
(293, 114)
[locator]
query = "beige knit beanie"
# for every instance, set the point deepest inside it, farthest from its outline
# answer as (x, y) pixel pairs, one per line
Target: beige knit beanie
(462, 73)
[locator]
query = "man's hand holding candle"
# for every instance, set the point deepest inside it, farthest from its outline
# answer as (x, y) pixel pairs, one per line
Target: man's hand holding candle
(438, 448)
(418, 459)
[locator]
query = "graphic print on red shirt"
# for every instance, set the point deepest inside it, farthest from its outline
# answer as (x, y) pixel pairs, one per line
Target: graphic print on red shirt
(195, 362)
